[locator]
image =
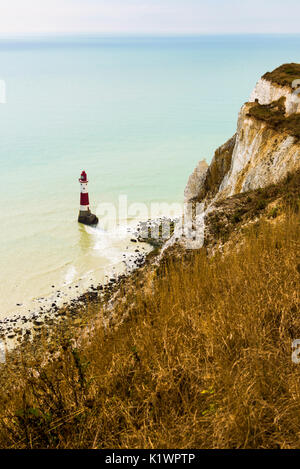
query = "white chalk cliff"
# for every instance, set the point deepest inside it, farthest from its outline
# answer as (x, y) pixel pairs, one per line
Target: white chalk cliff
(261, 156)
(257, 156)
(196, 181)
(266, 92)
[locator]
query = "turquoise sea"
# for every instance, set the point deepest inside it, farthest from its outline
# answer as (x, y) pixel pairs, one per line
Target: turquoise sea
(137, 113)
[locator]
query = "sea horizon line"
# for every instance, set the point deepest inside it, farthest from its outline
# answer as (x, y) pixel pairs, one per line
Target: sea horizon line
(100, 35)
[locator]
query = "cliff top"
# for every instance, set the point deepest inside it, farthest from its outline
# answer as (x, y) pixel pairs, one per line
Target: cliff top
(274, 115)
(284, 75)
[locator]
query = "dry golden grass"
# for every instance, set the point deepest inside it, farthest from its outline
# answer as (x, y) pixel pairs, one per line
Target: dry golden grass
(203, 361)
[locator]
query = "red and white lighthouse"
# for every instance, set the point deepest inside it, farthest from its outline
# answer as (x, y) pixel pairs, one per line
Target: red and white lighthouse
(85, 215)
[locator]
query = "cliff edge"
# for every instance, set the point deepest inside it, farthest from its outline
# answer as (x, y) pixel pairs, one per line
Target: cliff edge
(264, 150)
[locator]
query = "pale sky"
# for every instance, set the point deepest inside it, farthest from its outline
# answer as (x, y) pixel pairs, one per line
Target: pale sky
(149, 16)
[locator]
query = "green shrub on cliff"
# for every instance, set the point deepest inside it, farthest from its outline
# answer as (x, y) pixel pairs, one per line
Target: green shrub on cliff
(274, 115)
(284, 75)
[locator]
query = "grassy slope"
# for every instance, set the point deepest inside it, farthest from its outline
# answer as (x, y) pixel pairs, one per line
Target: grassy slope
(203, 359)
(234, 213)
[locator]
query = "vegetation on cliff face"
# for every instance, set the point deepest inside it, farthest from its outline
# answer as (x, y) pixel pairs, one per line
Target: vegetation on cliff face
(230, 215)
(202, 358)
(219, 166)
(274, 115)
(284, 75)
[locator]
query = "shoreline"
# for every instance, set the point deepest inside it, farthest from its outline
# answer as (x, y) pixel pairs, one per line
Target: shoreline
(14, 329)
(20, 328)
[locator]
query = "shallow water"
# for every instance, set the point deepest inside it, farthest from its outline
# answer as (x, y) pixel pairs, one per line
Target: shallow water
(136, 113)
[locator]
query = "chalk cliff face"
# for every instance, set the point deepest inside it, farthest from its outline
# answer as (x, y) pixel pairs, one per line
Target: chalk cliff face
(261, 156)
(196, 181)
(266, 92)
(258, 155)
(255, 157)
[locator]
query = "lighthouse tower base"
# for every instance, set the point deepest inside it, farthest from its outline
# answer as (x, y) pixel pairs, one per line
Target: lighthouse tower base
(87, 218)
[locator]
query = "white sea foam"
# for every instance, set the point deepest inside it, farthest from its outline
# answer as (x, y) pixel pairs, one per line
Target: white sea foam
(110, 244)
(70, 275)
